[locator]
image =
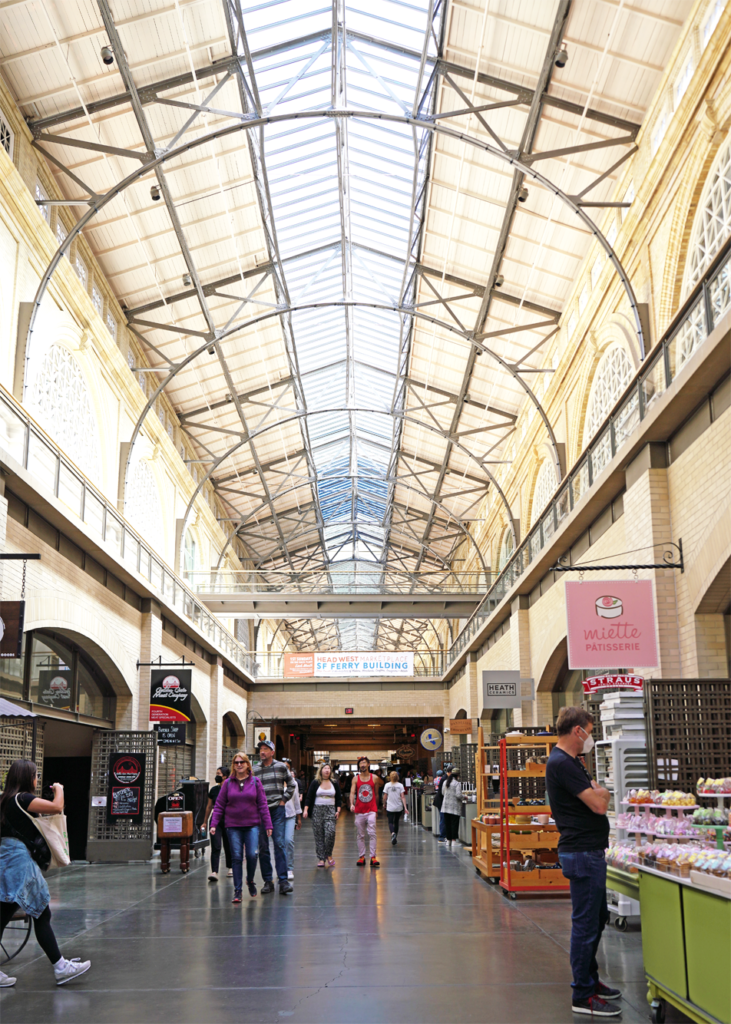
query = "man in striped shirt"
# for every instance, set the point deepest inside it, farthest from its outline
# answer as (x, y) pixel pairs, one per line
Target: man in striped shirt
(278, 786)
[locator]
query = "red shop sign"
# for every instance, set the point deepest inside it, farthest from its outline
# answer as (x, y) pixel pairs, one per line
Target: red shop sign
(612, 683)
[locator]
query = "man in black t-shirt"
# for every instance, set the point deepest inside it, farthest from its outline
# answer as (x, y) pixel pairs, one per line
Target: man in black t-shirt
(219, 838)
(579, 807)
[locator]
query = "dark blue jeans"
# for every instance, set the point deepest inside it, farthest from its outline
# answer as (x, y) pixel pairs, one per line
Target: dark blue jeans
(239, 837)
(279, 824)
(587, 875)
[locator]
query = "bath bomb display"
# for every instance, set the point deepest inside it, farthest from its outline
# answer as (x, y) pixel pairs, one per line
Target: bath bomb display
(608, 607)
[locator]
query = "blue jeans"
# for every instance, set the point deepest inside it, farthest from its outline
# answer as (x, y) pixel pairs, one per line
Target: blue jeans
(587, 875)
(239, 837)
(279, 821)
(289, 841)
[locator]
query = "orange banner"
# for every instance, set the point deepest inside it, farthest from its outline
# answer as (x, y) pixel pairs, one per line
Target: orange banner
(299, 665)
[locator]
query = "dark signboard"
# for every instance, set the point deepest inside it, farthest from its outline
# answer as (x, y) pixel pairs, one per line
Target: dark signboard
(126, 793)
(54, 687)
(170, 734)
(12, 614)
(170, 695)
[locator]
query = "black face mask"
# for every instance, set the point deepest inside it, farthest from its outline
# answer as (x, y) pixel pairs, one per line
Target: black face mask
(219, 778)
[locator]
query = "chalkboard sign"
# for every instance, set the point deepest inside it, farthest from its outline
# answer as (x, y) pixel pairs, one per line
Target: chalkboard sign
(170, 734)
(126, 788)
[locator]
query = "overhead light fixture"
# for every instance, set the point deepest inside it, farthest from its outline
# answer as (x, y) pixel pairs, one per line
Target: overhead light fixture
(155, 193)
(187, 280)
(107, 55)
(374, 725)
(523, 194)
(499, 281)
(562, 56)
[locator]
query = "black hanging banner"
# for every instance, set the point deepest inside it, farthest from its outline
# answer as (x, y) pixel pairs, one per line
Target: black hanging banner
(170, 694)
(54, 687)
(170, 734)
(12, 615)
(126, 788)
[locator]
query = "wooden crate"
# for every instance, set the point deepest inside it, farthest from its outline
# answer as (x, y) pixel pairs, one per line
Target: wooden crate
(485, 856)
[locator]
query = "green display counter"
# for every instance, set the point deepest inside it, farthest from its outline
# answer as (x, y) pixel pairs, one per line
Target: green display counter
(623, 881)
(686, 945)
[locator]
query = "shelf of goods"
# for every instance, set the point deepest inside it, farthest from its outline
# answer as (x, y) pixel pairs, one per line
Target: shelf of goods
(486, 824)
(686, 943)
(621, 764)
(528, 852)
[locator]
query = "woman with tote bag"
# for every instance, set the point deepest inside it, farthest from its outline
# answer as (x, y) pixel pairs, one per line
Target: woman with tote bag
(29, 846)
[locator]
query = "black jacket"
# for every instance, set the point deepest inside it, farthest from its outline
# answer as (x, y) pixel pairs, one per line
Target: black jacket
(312, 793)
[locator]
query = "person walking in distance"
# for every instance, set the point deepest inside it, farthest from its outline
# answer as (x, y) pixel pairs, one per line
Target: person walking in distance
(364, 807)
(451, 789)
(394, 795)
(220, 838)
(293, 812)
(22, 885)
(241, 808)
(322, 804)
(278, 785)
(579, 807)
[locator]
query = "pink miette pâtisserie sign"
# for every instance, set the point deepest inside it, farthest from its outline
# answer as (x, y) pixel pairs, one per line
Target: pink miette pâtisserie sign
(611, 624)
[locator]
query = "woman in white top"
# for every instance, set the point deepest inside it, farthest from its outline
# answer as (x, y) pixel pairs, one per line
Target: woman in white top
(393, 793)
(452, 807)
(322, 804)
(293, 816)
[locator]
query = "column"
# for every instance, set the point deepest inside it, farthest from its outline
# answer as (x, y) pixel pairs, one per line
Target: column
(648, 523)
(150, 650)
(520, 658)
(215, 718)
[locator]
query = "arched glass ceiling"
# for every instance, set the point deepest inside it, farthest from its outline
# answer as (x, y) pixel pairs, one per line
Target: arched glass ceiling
(346, 196)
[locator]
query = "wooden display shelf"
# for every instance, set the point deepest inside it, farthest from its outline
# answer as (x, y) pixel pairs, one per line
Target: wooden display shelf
(485, 856)
(536, 770)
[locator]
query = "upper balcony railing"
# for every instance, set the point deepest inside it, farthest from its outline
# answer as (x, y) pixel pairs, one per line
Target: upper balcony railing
(334, 581)
(702, 311)
(27, 443)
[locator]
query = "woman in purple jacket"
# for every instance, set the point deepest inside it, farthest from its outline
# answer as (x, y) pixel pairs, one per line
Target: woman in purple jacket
(241, 808)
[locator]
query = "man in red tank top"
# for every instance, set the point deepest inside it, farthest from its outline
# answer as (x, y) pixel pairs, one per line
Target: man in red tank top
(364, 805)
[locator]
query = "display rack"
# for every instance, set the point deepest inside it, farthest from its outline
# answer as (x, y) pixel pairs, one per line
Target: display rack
(486, 836)
(524, 779)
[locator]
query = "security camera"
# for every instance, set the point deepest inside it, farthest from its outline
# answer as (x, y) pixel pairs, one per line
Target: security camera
(561, 58)
(499, 281)
(107, 55)
(523, 194)
(187, 281)
(155, 193)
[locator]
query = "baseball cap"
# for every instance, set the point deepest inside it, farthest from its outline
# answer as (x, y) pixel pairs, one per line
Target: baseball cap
(440, 772)
(265, 743)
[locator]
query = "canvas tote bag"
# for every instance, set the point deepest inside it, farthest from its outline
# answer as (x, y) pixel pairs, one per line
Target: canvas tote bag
(54, 830)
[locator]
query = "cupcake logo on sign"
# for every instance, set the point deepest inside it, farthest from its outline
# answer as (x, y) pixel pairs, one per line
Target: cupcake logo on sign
(611, 624)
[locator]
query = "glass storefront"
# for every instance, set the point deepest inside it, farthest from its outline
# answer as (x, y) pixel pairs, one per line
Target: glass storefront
(54, 672)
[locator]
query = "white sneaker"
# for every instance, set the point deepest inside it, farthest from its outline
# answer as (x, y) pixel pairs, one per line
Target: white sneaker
(67, 970)
(6, 981)
(290, 875)
(213, 877)
(230, 873)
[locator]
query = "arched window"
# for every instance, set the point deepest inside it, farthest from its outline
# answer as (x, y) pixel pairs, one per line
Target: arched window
(612, 377)
(712, 224)
(60, 401)
(142, 503)
(191, 552)
(545, 486)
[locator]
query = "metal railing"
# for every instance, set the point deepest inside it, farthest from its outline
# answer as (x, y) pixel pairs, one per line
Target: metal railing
(703, 310)
(335, 581)
(31, 447)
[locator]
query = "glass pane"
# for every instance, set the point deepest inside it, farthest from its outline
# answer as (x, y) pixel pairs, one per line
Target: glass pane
(131, 550)
(50, 673)
(93, 700)
(601, 453)
(11, 674)
(12, 432)
(563, 506)
(653, 381)
(627, 419)
(113, 534)
(549, 527)
(42, 462)
(535, 544)
(93, 512)
(720, 292)
(70, 489)
(580, 480)
(686, 340)
(156, 574)
(144, 562)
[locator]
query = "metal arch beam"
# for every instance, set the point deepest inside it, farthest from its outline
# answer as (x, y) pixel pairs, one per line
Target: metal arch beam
(395, 480)
(416, 122)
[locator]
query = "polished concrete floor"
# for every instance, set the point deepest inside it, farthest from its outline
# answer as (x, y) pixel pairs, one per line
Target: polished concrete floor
(422, 939)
